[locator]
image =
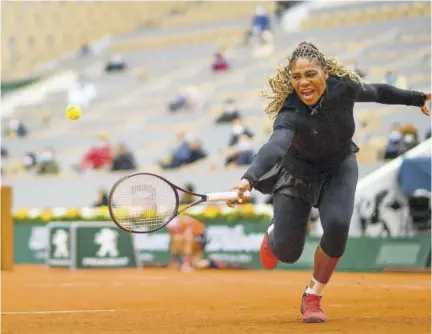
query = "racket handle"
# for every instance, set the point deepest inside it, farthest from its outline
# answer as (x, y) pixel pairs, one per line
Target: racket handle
(220, 197)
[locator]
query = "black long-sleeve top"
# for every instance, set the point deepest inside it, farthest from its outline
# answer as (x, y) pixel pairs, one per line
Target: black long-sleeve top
(313, 144)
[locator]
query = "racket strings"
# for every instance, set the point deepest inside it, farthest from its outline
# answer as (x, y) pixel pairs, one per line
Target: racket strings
(143, 203)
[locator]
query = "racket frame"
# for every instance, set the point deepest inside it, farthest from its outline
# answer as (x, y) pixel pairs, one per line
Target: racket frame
(203, 198)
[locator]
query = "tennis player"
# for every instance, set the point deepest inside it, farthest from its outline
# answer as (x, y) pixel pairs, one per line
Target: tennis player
(310, 160)
(188, 240)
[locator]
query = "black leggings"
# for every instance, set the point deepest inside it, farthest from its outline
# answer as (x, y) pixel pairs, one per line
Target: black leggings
(336, 203)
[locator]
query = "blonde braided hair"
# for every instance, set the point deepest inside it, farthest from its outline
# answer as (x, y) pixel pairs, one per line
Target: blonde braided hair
(281, 86)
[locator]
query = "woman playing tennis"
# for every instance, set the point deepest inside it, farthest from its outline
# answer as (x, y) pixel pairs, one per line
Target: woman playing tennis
(310, 160)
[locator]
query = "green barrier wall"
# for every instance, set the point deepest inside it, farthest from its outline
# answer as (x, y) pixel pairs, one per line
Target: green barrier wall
(239, 244)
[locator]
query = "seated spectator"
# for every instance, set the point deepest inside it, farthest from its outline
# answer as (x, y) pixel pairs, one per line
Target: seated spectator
(16, 128)
(260, 23)
(102, 199)
(394, 145)
(115, 64)
(237, 130)
(229, 114)
(190, 151)
(47, 163)
(409, 142)
(123, 160)
(4, 152)
(220, 64)
(29, 161)
(409, 129)
(188, 98)
(187, 198)
(85, 50)
(98, 156)
(353, 66)
(395, 79)
(243, 154)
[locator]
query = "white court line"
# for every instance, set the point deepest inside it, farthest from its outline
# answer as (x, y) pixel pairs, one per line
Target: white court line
(194, 280)
(56, 312)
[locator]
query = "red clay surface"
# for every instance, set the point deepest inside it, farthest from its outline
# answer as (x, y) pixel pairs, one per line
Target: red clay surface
(162, 301)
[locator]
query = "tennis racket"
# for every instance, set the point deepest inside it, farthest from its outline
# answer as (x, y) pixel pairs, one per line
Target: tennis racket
(145, 202)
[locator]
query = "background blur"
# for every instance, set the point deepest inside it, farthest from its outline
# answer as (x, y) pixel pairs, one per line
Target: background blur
(174, 88)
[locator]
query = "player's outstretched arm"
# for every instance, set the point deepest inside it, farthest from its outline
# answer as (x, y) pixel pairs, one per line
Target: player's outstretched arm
(268, 155)
(388, 94)
(273, 151)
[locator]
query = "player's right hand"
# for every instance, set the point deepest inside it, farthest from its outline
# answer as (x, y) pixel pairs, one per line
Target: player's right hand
(241, 188)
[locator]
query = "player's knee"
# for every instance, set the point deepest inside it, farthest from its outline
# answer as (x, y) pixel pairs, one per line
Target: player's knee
(287, 252)
(333, 241)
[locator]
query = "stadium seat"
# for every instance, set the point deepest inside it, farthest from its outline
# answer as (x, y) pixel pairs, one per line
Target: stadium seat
(44, 31)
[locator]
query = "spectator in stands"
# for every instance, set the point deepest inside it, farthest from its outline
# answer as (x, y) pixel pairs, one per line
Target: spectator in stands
(115, 64)
(188, 97)
(353, 66)
(123, 160)
(238, 129)
(47, 163)
(85, 50)
(187, 198)
(98, 156)
(229, 114)
(29, 161)
(395, 79)
(4, 152)
(102, 199)
(243, 154)
(409, 142)
(4, 156)
(16, 128)
(260, 23)
(188, 152)
(409, 129)
(220, 63)
(394, 145)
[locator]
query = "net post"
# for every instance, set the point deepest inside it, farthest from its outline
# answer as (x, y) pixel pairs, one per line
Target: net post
(7, 229)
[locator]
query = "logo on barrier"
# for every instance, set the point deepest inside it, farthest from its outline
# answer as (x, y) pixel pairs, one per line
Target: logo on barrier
(59, 251)
(103, 247)
(107, 239)
(60, 242)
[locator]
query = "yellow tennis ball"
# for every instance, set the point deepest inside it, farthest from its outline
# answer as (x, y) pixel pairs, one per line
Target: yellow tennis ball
(73, 112)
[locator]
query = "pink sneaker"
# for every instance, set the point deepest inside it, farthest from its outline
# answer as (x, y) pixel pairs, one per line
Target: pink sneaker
(268, 260)
(311, 309)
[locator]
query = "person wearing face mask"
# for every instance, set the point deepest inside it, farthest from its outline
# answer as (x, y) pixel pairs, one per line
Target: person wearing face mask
(47, 163)
(229, 114)
(237, 130)
(309, 161)
(394, 145)
(243, 155)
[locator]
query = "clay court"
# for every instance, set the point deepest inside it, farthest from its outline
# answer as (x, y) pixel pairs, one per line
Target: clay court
(38, 300)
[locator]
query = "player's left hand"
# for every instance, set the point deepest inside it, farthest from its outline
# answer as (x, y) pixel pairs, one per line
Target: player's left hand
(241, 188)
(425, 110)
